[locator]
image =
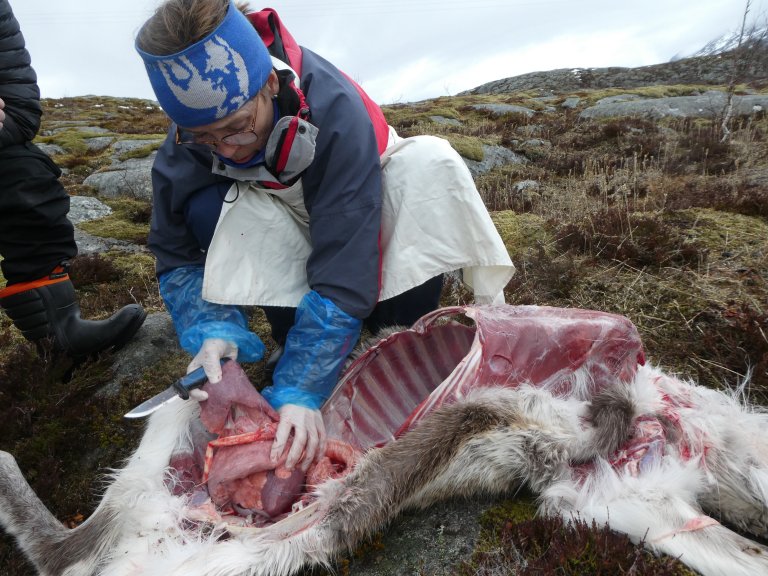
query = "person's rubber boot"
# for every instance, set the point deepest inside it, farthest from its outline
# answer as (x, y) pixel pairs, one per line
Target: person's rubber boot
(47, 308)
(269, 367)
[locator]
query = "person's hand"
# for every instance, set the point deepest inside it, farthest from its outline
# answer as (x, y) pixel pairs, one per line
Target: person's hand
(308, 436)
(2, 113)
(209, 357)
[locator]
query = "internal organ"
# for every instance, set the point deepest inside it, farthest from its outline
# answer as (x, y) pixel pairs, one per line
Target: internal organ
(237, 468)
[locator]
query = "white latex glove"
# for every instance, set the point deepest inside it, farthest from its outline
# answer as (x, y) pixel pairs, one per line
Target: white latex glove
(209, 357)
(2, 114)
(308, 436)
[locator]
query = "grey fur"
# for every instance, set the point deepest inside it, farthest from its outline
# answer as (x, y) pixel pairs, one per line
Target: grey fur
(484, 445)
(610, 413)
(50, 546)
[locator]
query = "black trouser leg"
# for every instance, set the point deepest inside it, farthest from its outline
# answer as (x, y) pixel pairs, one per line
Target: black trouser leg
(35, 234)
(280, 319)
(404, 309)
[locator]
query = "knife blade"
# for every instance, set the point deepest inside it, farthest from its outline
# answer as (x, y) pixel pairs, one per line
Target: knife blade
(179, 390)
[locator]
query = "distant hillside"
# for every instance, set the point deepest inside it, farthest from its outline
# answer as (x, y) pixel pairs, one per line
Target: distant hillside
(709, 69)
(751, 37)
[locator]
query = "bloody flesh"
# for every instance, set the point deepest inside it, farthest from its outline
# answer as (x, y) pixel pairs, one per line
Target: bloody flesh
(395, 384)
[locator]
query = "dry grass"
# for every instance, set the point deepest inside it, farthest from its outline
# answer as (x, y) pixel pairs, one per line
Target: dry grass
(657, 221)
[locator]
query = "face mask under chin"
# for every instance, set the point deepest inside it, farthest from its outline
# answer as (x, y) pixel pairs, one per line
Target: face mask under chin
(290, 149)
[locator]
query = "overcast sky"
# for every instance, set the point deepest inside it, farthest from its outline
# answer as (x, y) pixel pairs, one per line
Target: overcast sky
(399, 50)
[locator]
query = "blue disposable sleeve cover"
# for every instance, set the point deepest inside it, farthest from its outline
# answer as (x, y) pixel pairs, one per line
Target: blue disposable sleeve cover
(196, 320)
(315, 350)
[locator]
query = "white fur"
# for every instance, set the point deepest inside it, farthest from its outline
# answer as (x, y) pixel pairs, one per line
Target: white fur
(724, 471)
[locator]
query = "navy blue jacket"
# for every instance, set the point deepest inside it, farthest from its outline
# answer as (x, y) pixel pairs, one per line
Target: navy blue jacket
(342, 193)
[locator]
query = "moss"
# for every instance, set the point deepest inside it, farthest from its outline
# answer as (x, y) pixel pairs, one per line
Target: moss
(407, 116)
(142, 152)
(655, 91)
(520, 509)
(71, 140)
(129, 220)
(445, 112)
(466, 146)
(521, 233)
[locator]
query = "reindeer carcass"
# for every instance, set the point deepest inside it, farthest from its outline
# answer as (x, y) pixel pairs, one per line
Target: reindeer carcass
(476, 399)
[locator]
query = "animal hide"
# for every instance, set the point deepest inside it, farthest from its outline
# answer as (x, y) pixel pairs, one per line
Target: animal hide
(558, 400)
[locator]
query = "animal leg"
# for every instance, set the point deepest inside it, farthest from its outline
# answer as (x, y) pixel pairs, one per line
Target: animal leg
(43, 539)
(659, 509)
(135, 495)
(735, 455)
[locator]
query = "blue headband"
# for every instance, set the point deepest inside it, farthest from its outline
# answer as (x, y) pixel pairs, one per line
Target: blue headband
(213, 77)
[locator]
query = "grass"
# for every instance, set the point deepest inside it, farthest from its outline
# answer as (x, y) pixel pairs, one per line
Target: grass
(512, 542)
(658, 221)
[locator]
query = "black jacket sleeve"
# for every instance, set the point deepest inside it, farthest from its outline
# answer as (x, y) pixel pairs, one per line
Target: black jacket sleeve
(18, 83)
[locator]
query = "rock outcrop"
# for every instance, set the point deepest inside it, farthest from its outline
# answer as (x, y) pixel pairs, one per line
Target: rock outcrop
(712, 70)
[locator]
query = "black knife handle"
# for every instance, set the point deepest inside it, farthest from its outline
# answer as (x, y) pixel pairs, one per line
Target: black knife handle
(194, 379)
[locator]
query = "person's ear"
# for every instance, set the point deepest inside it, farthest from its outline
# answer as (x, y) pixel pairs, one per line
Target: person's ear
(273, 84)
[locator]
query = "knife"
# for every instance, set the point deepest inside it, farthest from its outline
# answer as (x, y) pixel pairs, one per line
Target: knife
(179, 390)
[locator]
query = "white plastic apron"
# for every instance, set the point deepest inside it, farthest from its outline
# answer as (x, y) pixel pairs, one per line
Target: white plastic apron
(433, 222)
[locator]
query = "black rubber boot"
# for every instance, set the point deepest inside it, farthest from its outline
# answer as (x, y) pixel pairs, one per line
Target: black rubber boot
(51, 310)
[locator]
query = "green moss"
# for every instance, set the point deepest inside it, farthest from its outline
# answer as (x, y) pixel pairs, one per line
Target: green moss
(159, 136)
(721, 231)
(128, 221)
(521, 233)
(466, 146)
(515, 510)
(408, 115)
(142, 152)
(403, 116)
(113, 227)
(71, 140)
(445, 112)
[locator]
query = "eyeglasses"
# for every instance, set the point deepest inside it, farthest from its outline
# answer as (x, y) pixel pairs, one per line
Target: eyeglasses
(243, 138)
